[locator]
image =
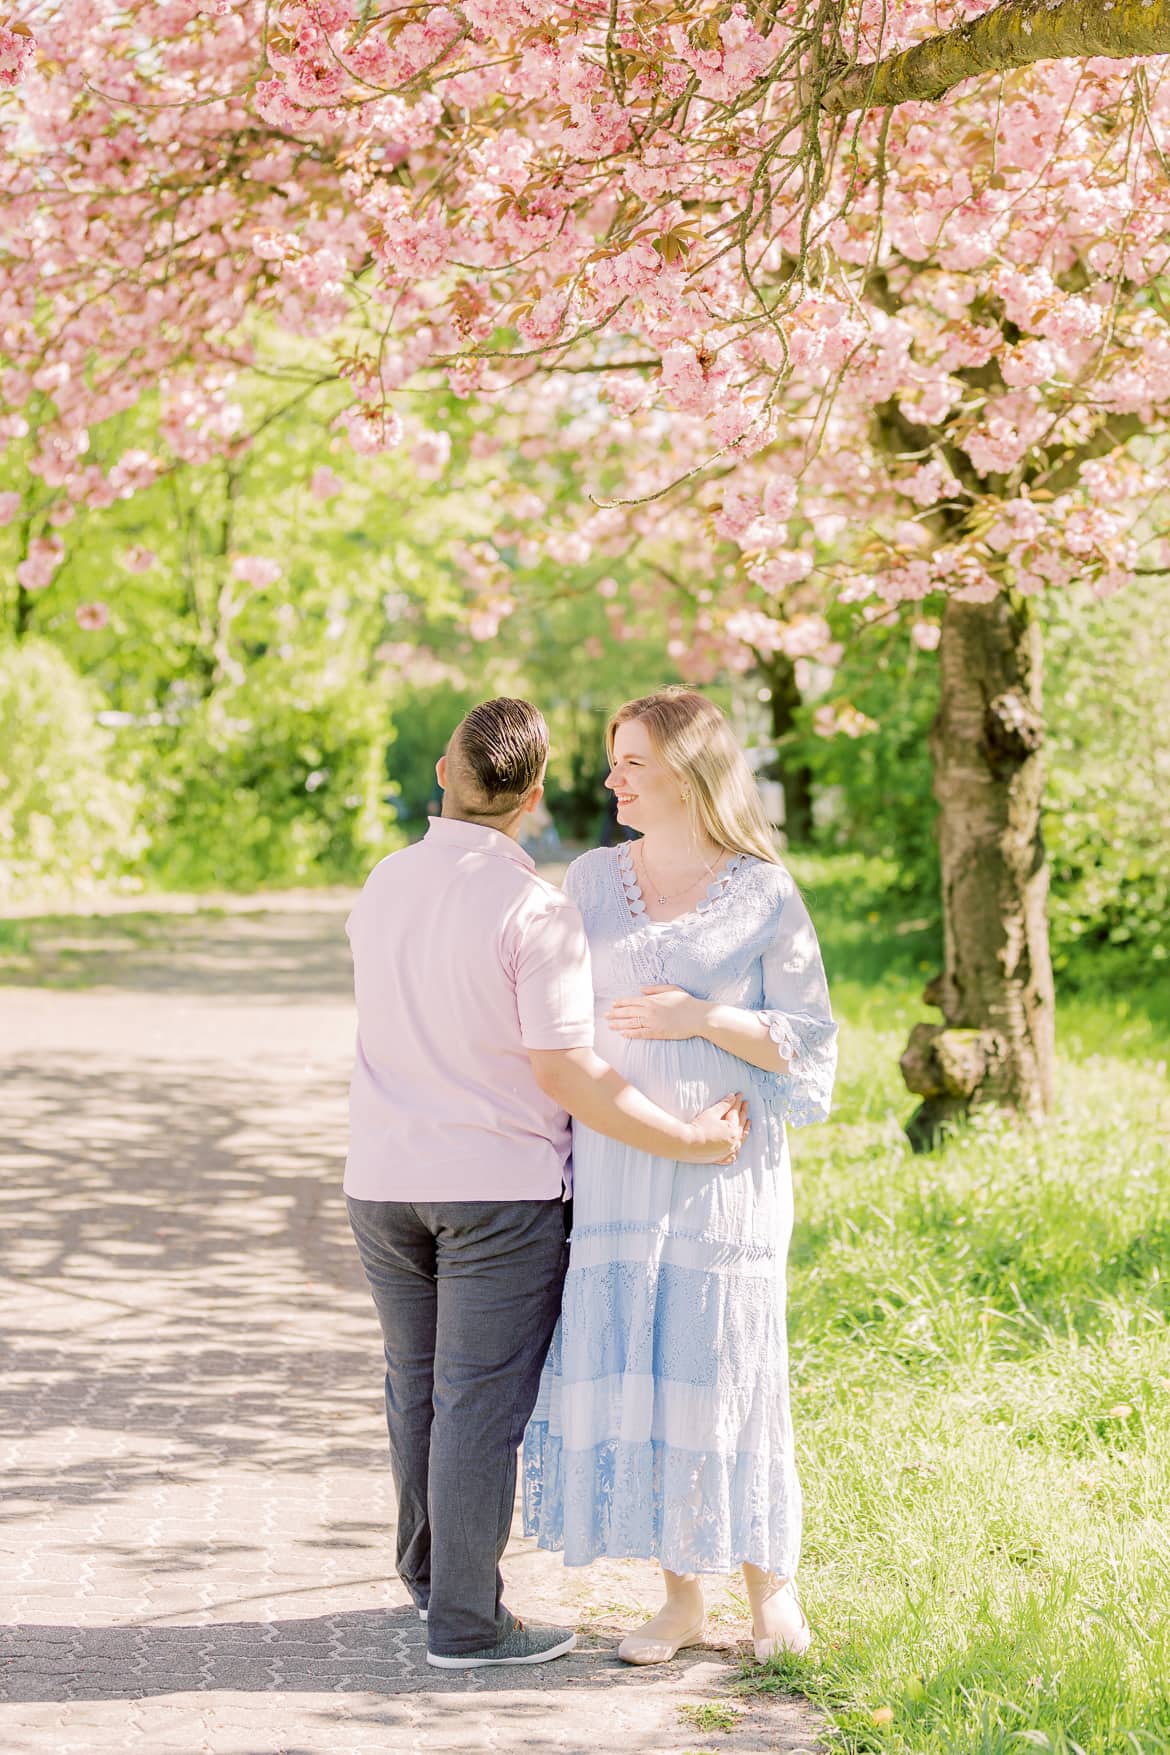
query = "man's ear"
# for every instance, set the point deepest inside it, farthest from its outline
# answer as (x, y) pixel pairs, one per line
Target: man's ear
(441, 772)
(534, 798)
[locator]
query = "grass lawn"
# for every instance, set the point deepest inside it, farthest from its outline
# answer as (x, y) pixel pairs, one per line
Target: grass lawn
(981, 1377)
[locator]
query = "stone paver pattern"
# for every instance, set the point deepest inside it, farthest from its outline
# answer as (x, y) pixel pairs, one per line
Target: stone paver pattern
(197, 1522)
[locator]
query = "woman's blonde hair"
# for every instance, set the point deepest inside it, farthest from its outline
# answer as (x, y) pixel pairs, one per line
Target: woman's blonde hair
(691, 737)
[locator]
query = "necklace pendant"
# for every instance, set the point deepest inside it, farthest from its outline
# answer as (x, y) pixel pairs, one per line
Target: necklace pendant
(648, 882)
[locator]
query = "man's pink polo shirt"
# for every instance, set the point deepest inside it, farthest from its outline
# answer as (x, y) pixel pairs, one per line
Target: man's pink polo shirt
(463, 960)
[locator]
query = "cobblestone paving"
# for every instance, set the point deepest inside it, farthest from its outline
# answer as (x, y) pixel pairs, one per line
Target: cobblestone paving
(196, 1521)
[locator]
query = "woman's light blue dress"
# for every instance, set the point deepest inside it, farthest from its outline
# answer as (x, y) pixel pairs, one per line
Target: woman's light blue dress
(663, 1426)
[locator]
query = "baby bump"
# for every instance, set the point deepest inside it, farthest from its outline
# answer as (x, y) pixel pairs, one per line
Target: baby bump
(681, 1077)
(617, 1188)
(688, 1076)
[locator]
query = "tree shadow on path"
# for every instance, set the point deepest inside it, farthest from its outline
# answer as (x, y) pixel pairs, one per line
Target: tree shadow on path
(381, 1651)
(193, 1408)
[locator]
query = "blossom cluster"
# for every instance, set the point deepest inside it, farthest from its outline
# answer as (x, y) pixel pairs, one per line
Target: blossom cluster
(898, 360)
(17, 48)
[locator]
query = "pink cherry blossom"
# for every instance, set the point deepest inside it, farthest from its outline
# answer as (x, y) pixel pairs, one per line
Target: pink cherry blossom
(372, 430)
(780, 493)
(483, 624)
(45, 554)
(430, 455)
(929, 484)
(324, 483)
(841, 718)
(776, 574)
(17, 49)
(92, 615)
(804, 636)
(259, 571)
(738, 511)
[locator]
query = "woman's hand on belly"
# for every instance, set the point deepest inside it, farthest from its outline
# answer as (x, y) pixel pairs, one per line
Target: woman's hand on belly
(663, 1014)
(670, 1014)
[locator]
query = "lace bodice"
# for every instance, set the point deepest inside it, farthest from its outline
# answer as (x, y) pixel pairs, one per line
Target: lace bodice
(748, 943)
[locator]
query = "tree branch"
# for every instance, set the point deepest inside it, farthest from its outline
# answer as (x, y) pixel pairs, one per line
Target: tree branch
(1014, 34)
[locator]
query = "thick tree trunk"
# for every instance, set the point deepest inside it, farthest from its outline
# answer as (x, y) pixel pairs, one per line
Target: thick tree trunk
(996, 1043)
(1013, 34)
(792, 772)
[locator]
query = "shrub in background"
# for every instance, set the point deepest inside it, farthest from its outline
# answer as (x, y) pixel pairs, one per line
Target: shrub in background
(425, 715)
(1108, 820)
(66, 817)
(874, 789)
(277, 781)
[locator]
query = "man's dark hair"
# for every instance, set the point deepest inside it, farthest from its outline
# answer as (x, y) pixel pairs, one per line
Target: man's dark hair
(496, 756)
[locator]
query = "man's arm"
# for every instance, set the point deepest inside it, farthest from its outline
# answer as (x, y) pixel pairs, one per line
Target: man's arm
(592, 1091)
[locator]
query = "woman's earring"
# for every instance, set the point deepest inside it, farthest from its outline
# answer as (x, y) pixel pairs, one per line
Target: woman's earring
(686, 798)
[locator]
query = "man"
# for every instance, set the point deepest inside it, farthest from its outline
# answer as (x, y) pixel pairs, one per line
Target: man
(475, 1033)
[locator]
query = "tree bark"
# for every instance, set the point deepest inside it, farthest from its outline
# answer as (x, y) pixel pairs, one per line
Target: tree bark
(996, 1042)
(22, 597)
(792, 772)
(227, 605)
(23, 611)
(1014, 34)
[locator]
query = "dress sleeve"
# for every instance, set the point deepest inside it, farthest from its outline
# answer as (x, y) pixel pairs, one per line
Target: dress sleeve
(798, 1016)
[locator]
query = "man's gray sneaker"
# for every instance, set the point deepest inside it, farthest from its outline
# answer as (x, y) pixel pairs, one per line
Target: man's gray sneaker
(520, 1645)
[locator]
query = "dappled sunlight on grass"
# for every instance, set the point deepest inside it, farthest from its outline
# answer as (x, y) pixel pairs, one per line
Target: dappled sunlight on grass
(981, 1373)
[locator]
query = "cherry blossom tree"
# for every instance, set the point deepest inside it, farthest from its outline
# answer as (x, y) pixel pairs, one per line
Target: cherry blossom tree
(791, 312)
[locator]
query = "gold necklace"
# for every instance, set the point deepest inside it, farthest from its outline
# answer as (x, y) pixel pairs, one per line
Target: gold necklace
(657, 894)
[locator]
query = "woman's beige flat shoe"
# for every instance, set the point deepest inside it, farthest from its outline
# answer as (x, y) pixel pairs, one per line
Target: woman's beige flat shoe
(636, 1648)
(794, 1637)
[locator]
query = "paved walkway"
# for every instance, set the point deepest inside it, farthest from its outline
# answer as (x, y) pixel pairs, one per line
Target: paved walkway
(196, 1517)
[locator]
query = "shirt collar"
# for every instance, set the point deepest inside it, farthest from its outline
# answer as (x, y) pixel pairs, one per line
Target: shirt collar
(477, 838)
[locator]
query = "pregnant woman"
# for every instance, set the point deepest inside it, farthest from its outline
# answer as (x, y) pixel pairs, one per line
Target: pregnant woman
(663, 1428)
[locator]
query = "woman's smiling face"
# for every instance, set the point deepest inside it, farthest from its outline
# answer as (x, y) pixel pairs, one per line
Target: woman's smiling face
(648, 794)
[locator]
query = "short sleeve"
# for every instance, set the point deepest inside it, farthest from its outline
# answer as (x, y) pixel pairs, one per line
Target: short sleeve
(554, 983)
(797, 1013)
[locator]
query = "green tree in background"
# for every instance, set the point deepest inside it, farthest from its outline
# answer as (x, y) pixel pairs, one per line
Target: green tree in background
(277, 643)
(283, 638)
